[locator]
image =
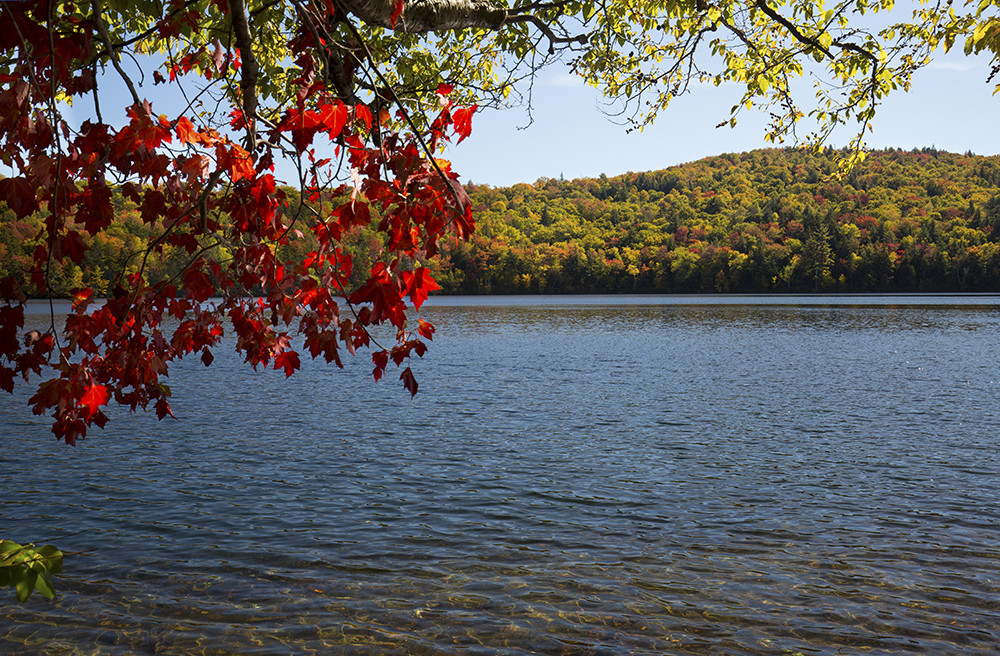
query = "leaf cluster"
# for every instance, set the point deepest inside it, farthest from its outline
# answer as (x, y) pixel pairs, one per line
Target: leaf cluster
(27, 568)
(180, 221)
(832, 64)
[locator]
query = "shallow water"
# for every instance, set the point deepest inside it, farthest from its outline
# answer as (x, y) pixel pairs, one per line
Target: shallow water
(624, 475)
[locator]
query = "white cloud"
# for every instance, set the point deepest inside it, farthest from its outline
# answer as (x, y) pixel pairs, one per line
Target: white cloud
(561, 80)
(957, 66)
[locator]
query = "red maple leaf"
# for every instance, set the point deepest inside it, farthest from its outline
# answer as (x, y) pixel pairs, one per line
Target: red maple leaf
(418, 284)
(198, 285)
(186, 131)
(462, 121)
(71, 245)
(82, 297)
(396, 13)
(303, 126)
(96, 210)
(94, 398)
(409, 382)
(235, 161)
(381, 360)
(380, 290)
(6, 379)
(163, 409)
(287, 360)
(218, 57)
(363, 114)
(333, 118)
(19, 196)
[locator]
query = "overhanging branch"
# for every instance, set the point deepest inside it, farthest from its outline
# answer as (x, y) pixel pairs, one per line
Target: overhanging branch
(811, 42)
(430, 15)
(794, 31)
(102, 29)
(249, 69)
(547, 31)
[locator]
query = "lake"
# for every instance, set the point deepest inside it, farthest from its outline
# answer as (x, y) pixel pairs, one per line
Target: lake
(578, 475)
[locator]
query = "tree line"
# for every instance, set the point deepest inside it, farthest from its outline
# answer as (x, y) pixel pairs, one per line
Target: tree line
(766, 221)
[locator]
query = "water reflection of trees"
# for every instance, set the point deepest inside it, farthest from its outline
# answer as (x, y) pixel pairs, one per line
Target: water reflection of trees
(708, 318)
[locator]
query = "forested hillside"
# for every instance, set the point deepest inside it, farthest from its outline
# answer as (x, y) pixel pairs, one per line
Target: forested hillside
(763, 221)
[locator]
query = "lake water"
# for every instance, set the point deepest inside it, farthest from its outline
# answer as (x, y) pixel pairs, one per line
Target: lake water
(591, 475)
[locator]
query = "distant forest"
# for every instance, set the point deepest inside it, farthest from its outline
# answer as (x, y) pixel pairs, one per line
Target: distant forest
(763, 221)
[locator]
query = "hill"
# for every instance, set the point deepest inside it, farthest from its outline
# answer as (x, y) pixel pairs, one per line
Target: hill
(762, 221)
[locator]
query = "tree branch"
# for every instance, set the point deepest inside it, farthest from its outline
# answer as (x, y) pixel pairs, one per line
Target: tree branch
(430, 15)
(249, 69)
(843, 45)
(799, 36)
(152, 30)
(536, 6)
(547, 31)
(102, 29)
(327, 50)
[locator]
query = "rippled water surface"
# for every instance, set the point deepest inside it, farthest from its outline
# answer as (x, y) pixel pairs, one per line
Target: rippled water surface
(576, 476)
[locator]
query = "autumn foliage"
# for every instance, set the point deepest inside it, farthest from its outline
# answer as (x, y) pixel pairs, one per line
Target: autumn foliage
(212, 192)
(765, 221)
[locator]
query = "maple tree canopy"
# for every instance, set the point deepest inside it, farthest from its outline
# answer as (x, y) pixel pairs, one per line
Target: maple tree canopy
(232, 125)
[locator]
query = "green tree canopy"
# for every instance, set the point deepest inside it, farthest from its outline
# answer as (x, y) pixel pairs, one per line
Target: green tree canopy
(641, 53)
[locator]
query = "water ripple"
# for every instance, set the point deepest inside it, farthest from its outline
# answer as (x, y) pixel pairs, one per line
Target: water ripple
(695, 477)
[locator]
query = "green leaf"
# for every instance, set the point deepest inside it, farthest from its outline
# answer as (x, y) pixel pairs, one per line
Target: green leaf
(52, 556)
(44, 585)
(26, 569)
(25, 584)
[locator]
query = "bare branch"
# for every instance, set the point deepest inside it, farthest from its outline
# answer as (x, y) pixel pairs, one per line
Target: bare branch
(547, 31)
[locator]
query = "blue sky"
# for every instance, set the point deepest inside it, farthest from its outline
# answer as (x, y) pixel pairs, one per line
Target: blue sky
(950, 106)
